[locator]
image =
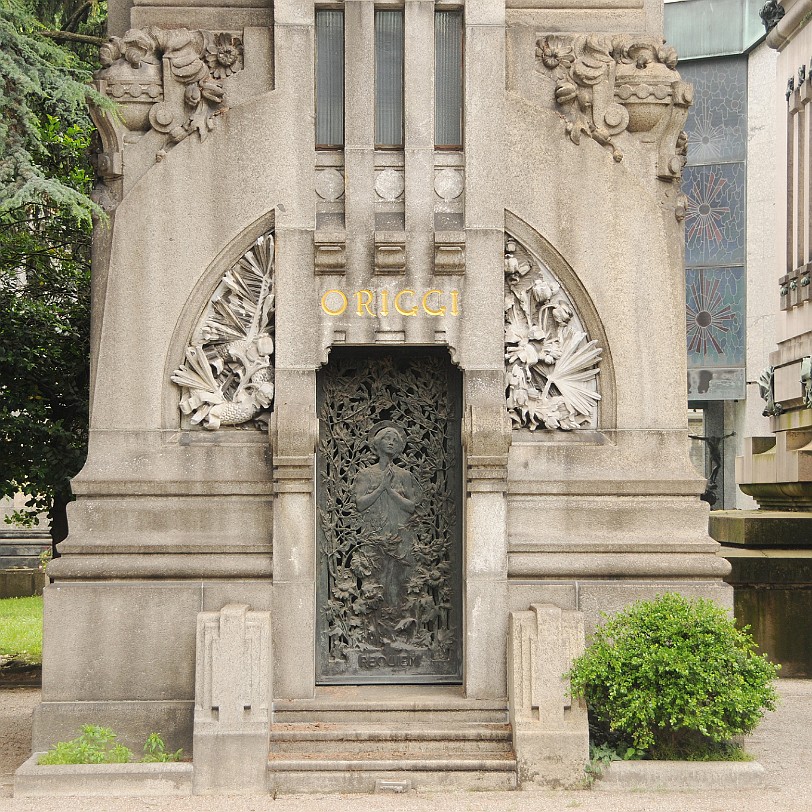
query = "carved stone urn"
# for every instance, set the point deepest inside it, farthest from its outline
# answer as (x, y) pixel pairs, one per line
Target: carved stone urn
(648, 94)
(135, 89)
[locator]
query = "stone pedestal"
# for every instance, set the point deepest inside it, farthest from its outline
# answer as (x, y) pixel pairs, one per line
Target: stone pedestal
(232, 701)
(550, 729)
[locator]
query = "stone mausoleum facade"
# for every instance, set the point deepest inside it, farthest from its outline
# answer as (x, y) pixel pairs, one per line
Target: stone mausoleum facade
(387, 386)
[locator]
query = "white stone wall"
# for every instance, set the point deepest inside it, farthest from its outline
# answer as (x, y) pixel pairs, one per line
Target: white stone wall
(763, 263)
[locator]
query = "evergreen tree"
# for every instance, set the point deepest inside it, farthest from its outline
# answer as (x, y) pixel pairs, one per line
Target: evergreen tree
(47, 50)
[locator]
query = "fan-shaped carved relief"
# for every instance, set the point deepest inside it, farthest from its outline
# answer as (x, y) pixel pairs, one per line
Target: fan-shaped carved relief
(551, 365)
(227, 377)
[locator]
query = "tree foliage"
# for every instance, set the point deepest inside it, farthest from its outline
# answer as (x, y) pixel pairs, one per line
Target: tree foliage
(45, 227)
(672, 674)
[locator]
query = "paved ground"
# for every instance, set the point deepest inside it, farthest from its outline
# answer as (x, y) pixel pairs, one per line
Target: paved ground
(783, 744)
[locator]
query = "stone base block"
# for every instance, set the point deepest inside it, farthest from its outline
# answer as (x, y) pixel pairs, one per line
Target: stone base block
(762, 528)
(22, 583)
(109, 780)
(131, 721)
(230, 763)
(673, 776)
(553, 758)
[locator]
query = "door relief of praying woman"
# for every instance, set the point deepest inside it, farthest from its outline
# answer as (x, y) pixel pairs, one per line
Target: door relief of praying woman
(388, 535)
(386, 496)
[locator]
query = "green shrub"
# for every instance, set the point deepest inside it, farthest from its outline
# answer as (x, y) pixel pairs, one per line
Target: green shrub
(96, 745)
(155, 750)
(675, 678)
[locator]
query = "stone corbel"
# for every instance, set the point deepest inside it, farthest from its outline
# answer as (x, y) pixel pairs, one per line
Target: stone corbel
(449, 252)
(390, 252)
(669, 135)
(330, 252)
(109, 160)
(486, 437)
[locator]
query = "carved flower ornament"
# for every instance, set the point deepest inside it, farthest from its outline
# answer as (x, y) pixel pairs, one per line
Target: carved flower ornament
(227, 376)
(550, 365)
(224, 55)
(144, 62)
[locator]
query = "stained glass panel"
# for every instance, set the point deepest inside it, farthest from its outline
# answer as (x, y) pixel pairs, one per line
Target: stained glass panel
(717, 120)
(714, 316)
(714, 223)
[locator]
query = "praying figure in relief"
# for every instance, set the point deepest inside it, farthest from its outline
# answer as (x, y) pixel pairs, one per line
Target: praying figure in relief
(386, 496)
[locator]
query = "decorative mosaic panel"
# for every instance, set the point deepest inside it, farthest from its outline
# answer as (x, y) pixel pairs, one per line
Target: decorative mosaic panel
(715, 317)
(714, 223)
(717, 121)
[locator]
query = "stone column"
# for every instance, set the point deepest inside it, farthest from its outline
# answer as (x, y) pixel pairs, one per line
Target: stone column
(486, 429)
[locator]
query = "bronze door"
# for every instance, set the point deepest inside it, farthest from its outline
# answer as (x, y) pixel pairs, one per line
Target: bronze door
(388, 520)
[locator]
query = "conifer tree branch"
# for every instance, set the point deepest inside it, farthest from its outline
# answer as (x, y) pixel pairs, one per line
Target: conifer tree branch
(69, 36)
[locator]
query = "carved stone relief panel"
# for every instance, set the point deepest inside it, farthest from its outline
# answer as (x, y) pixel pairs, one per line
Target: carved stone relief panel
(168, 80)
(551, 365)
(227, 377)
(388, 526)
(608, 84)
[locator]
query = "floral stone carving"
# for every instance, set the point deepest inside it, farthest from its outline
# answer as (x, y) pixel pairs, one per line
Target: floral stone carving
(170, 80)
(227, 379)
(609, 84)
(551, 366)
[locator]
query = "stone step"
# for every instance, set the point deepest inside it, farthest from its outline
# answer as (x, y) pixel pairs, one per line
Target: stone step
(394, 706)
(364, 775)
(319, 739)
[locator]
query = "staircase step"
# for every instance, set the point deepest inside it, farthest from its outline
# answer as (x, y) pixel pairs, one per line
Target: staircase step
(362, 761)
(436, 742)
(319, 775)
(293, 782)
(392, 705)
(349, 738)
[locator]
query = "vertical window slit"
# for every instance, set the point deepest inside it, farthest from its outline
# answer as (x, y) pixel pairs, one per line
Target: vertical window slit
(329, 78)
(448, 79)
(389, 78)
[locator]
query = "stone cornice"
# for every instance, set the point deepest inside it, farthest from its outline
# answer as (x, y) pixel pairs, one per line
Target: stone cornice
(796, 13)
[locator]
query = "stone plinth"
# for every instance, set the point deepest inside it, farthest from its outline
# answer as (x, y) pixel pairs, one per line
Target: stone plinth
(550, 730)
(232, 701)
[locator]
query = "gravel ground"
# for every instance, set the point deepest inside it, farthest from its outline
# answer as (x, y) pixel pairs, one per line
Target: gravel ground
(783, 744)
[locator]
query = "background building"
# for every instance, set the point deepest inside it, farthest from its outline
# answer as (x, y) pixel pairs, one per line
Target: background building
(730, 223)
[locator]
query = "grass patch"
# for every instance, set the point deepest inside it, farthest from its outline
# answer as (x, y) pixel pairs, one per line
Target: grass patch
(21, 630)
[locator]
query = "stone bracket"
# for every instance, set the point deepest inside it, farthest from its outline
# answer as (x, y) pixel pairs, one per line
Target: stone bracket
(330, 252)
(390, 252)
(449, 252)
(232, 715)
(550, 729)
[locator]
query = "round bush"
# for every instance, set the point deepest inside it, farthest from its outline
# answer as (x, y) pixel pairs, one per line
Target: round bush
(671, 673)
